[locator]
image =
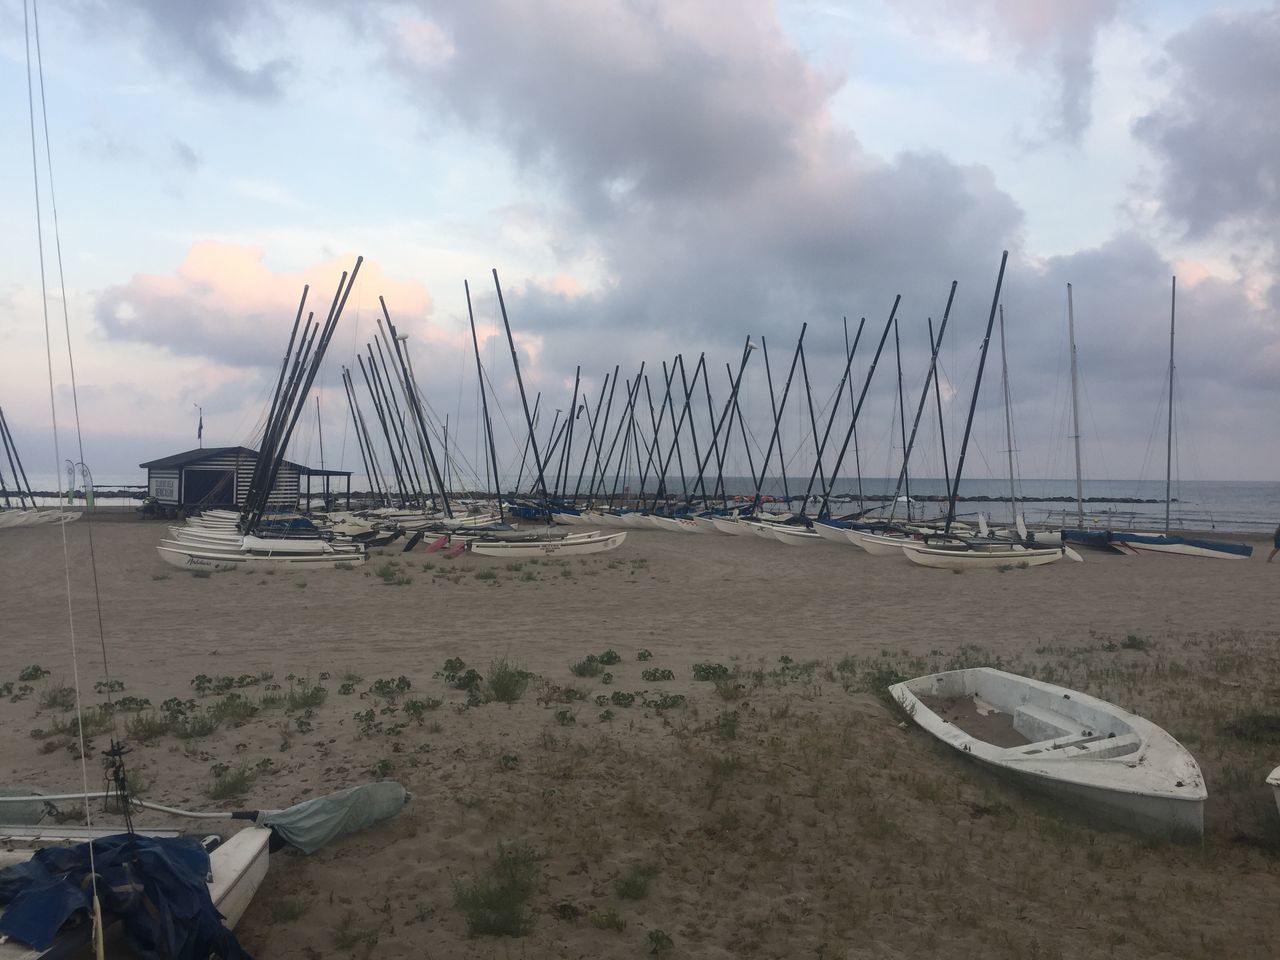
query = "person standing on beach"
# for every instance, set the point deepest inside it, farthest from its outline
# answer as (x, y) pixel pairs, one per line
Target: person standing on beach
(1275, 545)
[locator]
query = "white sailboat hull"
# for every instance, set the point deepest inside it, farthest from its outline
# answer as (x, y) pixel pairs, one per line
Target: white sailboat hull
(925, 556)
(796, 536)
(878, 544)
(1081, 749)
(237, 867)
(567, 547)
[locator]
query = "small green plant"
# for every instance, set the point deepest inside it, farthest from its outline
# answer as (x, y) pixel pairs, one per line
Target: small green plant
(609, 658)
(206, 574)
(657, 675)
(1134, 642)
(348, 934)
(643, 655)
(60, 697)
(710, 671)
(589, 666)
(634, 884)
(417, 709)
(304, 696)
(620, 699)
(497, 905)
(487, 574)
(32, 673)
(228, 782)
(160, 576)
(726, 725)
(609, 920)
(566, 718)
(659, 942)
(507, 682)
(606, 716)
(665, 701)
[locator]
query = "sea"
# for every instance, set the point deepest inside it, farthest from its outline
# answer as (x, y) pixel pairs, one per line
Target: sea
(1229, 506)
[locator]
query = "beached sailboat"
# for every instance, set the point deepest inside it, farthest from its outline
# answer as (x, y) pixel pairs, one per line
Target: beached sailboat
(1064, 743)
(41, 921)
(1135, 543)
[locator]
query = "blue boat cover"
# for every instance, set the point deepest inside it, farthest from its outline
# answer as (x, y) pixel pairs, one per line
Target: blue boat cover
(156, 887)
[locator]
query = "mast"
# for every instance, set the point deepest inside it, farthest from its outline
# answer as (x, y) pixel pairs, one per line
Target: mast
(1168, 459)
(524, 400)
(973, 403)
(774, 439)
(1075, 409)
(1008, 420)
(902, 420)
(813, 429)
(824, 510)
(857, 457)
(937, 396)
(777, 416)
(835, 406)
(484, 402)
(934, 347)
(593, 443)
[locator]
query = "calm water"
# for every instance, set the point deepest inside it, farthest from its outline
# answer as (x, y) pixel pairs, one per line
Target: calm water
(1229, 506)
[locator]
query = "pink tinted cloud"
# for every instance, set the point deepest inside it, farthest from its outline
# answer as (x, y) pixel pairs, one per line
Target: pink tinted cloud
(225, 303)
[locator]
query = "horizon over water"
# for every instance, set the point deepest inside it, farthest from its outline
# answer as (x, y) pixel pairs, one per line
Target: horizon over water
(1238, 506)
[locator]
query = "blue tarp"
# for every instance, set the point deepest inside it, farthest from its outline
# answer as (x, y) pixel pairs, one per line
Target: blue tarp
(156, 887)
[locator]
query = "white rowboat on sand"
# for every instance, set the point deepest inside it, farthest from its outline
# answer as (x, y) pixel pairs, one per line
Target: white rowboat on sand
(1064, 743)
(568, 547)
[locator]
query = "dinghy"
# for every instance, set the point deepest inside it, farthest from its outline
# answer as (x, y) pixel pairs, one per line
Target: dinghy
(567, 547)
(1063, 743)
(961, 558)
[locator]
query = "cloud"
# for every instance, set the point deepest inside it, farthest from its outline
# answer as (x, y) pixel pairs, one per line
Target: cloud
(1057, 38)
(1216, 133)
(206, 41)
(224, 303)
(622, 102)
(185, 156)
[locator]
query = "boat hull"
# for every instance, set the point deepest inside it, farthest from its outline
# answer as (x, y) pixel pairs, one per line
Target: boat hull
(944, 559)
(568, 547)
(1079, 748)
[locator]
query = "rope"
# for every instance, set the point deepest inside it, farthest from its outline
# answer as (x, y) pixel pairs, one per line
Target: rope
(27, 24)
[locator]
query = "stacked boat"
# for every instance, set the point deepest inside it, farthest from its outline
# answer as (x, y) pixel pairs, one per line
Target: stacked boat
(213, 541)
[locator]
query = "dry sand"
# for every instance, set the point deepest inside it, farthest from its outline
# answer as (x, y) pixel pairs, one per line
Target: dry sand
(784, 813)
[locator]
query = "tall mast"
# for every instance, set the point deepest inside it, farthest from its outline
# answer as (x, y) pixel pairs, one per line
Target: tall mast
(1168, 461)
(973, 403)
(902, 419)
(937, 392)
(934, 347)
(774, 438)
(484, 402)
(524, 400)
(1075, 408)
(831, 418)
(857, 409)
(1008, 421)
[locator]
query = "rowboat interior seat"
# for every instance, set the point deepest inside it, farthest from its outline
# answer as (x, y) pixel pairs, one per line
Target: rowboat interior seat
(1050, 731)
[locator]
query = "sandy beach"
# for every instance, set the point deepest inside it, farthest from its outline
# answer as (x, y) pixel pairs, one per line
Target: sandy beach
(783, 811)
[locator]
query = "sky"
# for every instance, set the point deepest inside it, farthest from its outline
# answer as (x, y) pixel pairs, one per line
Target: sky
(649, 178)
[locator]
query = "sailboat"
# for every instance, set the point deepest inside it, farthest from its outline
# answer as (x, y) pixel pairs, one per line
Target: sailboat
(950, 551)
(160, 891)
(1133, 542)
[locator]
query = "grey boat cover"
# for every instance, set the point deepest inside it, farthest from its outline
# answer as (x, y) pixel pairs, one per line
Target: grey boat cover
(312, 824)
